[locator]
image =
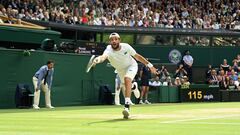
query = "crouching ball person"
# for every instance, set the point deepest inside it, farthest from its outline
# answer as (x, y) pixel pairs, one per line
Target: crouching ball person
(42, 80)
(121, 56)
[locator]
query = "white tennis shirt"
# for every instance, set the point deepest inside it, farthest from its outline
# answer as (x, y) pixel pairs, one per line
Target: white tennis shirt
(122, 58)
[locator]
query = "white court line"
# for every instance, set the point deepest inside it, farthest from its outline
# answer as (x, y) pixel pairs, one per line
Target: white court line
(212, 123)
(203, 118)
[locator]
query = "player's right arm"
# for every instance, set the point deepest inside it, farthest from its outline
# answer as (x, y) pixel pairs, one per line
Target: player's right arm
(100, 59)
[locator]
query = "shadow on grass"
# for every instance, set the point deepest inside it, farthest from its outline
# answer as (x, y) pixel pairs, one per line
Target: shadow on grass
(109, 121)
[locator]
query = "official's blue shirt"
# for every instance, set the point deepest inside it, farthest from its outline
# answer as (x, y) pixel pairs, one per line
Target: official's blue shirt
(40, 74)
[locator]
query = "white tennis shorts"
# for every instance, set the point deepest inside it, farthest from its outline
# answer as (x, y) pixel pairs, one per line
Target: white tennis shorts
(129, 72)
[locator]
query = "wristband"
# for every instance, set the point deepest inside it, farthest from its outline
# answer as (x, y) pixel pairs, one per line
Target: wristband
(149, 65)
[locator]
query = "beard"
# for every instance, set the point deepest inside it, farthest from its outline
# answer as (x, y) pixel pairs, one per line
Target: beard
(115, 46)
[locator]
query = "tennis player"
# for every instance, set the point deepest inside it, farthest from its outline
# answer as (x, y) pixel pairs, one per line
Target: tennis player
(121, 56)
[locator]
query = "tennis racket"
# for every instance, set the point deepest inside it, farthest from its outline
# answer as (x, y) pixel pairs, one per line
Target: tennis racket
(90, 64)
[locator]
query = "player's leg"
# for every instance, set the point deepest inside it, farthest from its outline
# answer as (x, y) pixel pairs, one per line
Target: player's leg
(128, 87)
(124, 91)
(125, 111)
(36, 94)
(128, 77)
(135, 90)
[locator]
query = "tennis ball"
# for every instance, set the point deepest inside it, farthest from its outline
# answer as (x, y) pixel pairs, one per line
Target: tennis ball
(26, 53)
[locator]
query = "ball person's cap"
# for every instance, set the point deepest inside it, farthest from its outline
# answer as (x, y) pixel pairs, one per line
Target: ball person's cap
(114, 35)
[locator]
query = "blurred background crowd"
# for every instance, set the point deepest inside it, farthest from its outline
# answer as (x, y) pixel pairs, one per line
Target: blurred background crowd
(192, 14)
(195, 14)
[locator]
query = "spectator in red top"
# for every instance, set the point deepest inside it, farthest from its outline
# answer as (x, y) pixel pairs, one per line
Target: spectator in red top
(84, 19)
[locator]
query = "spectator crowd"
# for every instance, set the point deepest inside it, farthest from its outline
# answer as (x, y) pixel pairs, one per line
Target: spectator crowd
(195, 14)
(227, 76)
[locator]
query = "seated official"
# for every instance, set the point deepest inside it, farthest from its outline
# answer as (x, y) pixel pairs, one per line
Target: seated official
(213, 79)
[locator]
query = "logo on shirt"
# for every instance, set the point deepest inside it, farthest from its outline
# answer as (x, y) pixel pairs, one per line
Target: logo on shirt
(125, 53)
(174, 56)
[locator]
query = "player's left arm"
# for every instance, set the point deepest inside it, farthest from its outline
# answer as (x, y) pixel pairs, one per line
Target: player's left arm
(141, 59)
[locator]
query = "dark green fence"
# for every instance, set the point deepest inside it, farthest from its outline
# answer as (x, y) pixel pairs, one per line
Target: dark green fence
(71, 85)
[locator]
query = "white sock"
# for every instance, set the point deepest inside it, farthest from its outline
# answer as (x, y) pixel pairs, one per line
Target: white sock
(127, 101)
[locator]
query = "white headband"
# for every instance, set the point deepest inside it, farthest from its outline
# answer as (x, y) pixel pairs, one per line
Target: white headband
(114, 35)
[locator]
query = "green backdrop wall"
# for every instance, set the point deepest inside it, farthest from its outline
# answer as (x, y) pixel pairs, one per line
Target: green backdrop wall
(202, 55)
(71, 85)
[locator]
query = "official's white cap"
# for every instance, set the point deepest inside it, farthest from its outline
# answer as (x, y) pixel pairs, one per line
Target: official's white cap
(114, 35)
